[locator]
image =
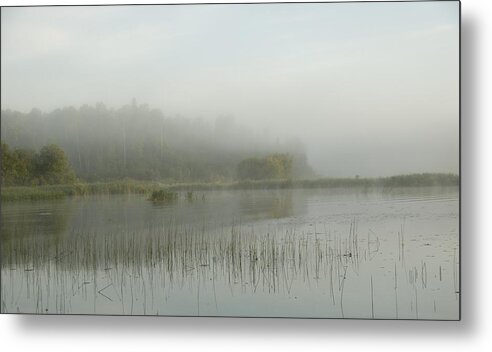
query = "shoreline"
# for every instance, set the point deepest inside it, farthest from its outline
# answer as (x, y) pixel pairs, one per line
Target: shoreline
(47, 192)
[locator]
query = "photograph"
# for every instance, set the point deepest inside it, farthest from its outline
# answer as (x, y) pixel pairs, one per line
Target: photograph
(268, 160)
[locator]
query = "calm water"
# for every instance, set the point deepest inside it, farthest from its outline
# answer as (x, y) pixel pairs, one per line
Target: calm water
(289, 253)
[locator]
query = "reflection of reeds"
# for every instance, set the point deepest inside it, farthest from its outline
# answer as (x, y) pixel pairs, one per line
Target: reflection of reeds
(174, 255)
(133, 271)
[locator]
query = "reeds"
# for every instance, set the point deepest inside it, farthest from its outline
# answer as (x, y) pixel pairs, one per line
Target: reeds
(134, 272)
(163, 196)
(147, 187)
(138, 266)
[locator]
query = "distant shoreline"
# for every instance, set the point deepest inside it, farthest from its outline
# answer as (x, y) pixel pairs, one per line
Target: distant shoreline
(46, 192)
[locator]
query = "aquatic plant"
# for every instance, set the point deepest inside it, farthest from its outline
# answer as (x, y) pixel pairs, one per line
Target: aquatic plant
(163, 196)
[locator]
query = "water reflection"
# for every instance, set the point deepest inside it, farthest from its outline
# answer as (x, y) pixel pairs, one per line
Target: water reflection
(324, 253)
(270, 205)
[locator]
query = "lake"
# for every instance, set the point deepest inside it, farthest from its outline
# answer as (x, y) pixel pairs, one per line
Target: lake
(332, 253)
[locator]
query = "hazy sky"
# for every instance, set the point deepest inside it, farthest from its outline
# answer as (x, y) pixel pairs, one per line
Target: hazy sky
(370, 88)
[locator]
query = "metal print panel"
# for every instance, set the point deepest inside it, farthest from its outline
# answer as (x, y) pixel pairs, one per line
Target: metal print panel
(251, 160)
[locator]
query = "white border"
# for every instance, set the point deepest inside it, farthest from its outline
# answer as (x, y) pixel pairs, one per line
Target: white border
(473, 333)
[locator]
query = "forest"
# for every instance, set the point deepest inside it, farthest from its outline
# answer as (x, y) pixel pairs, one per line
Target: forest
(139, 143)
(135, 149)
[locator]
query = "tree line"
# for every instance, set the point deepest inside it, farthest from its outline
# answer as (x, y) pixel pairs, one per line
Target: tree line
(276, 166)
(21, 167)
(140, 143)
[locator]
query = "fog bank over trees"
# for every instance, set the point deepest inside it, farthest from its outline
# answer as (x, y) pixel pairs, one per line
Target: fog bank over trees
(138, 142)
(371, 89)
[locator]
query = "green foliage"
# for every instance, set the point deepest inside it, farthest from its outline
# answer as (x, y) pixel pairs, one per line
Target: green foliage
(24, 167)
(281, 164)
(77, 189)
(276, 166)
(254, 169)
(17, 166)
(52, 166)
(140, 143)
(7, 164)
(19, 193)
(163, 196)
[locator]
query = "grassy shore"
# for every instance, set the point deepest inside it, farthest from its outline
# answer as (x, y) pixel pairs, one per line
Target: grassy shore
(147, 187)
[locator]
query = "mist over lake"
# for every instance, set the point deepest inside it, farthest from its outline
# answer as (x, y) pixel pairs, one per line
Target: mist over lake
(369, 89)
(261, 160)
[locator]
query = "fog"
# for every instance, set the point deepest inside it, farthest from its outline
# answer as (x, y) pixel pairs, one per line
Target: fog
(370, 89)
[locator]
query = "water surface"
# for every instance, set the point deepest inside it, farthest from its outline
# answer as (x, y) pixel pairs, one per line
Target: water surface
(337, 253)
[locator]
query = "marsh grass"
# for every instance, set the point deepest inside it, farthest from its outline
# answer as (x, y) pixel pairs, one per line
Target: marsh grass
(171, 256)
(79, 189)
(163, 196)
(132, 271)
(147, 187)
